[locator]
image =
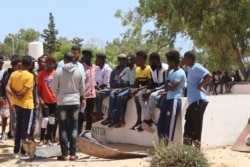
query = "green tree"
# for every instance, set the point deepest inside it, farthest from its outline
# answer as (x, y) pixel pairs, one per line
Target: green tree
(218, 27)
(64, 41)
(51, 43)
(77, 41)
(18, 43)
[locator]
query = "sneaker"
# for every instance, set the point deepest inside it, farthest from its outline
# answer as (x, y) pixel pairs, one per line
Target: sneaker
(3, 138)
(111, 125)
(16, 155)
(23, 156)
(139, 128)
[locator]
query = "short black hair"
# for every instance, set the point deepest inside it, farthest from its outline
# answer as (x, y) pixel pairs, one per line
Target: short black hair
(15, 59)
(142, 54)
(131, 56)
(1, 57)
(76, 47)
(174, 56)
(68, 56)
(155, 56)
(101, 55)
(190, 55)
(87, 52)
(27, 60)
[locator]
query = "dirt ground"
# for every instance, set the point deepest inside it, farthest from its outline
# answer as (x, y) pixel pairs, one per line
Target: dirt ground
(218, 157)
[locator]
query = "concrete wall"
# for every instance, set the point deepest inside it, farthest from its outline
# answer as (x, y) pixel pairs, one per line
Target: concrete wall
(224, 120)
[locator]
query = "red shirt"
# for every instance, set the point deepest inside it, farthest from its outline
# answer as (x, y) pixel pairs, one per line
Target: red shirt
(90, 82)
(44, 81)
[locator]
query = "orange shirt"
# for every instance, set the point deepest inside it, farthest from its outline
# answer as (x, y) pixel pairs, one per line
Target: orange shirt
(44, 81)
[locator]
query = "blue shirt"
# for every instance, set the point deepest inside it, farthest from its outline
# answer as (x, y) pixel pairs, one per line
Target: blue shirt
(60, 64)
(196, 73)
(180, 77)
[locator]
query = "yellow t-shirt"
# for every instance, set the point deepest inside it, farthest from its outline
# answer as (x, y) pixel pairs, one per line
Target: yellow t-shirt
(142, 76)
(18, 80)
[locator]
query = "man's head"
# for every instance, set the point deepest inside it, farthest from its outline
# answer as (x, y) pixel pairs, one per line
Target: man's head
(154, 60)
(1, 62)
(76, 50)
(87, 56)
(27, 61)
(41, 62)
(100, 59)
(189, 58)
(68, 57)
(140, 58)
(131, 61)
(173, 58)
(122, 60)
(50, 63)
(16, 63)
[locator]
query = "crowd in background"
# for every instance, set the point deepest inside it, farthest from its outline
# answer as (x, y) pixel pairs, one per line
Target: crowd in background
(66, 93)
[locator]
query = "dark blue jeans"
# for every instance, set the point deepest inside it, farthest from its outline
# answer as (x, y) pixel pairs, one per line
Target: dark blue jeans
(170, 109)
(100, 96)
(23, 126)
(118, 104)
(68, 128)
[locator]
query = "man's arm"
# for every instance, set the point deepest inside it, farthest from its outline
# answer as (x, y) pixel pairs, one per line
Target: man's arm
(207, 78)
(55, 83)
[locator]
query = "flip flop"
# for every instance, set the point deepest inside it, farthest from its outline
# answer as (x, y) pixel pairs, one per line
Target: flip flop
(73, 158)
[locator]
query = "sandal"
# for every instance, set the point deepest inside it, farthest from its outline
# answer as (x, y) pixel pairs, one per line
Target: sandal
(63, 158)
(73, 157)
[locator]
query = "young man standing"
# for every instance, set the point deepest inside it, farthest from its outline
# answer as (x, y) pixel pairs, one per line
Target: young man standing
(68, 86)
(76, 51)
(197, 78)
(90, 92)
(16, 64)
(47, 100)
(20, 88)
(171, 106)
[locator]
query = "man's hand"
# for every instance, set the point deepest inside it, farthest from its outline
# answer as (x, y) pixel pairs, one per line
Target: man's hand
(117, 91)
(201, 88)
(163, 94)
(83, 103)
(146, 94)
(42, 104)
(133, 91)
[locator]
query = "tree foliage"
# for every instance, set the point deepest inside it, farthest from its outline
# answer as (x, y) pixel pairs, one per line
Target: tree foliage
(218, 27)
(19, 42)
(51, 43)
(77, 41)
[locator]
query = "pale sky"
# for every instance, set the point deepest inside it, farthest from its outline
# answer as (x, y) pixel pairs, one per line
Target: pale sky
(73, 18)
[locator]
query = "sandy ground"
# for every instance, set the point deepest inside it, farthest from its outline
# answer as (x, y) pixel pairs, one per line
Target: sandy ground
(218, 157)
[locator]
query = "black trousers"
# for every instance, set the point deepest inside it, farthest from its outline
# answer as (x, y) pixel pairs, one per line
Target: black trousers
(90, 104)
(194, 120)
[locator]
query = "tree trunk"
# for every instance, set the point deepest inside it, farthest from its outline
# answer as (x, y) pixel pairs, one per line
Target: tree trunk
(240, 62)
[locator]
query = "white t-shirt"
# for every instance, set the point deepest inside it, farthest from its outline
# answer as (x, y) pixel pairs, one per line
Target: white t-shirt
(1, 75)
(102, 75)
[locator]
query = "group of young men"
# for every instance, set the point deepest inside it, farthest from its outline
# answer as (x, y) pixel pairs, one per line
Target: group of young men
(68, 92)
